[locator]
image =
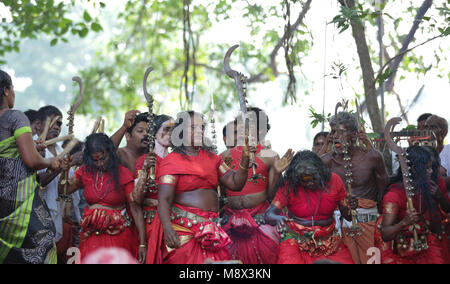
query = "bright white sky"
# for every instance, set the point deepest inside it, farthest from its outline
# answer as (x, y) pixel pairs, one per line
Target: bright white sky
(291, 125)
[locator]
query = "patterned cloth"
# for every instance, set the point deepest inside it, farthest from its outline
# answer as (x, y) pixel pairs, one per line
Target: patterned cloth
(26, 228)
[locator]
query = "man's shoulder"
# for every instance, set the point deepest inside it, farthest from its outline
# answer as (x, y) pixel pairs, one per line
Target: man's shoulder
(372, 153)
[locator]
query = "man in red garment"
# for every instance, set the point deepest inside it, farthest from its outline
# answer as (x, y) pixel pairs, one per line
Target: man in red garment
(253, 241)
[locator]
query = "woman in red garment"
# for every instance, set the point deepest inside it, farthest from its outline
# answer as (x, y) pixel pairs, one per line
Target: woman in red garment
(106, 184)
(311, 193)
(187, 199)
(394, 238)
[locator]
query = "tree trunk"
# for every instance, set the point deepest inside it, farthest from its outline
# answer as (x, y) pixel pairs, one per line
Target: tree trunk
(370, 91)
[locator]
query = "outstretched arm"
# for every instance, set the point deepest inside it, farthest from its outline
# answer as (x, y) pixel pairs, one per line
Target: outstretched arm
(30, 155)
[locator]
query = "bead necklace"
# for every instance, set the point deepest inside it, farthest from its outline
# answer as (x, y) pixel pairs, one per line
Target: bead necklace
(99, 190)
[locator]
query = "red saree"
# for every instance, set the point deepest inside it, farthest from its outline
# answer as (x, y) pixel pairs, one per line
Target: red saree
(102, 227)
(305, 245)
(200, 237)
(399, 251)
(252, 241)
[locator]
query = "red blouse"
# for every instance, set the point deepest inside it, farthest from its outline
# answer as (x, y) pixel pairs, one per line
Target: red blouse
(192, 172)
(100, 190)
(250, 187)
(307, 204)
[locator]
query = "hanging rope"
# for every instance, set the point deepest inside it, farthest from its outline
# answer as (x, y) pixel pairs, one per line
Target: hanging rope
(289, 54)
(190, 58)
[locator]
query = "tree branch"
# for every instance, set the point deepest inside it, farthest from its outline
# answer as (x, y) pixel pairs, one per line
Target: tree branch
(258, 78)
(404, 49)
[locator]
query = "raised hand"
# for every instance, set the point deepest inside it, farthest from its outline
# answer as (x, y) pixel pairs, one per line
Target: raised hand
(246, 150)
(282, 164)
(130, 116)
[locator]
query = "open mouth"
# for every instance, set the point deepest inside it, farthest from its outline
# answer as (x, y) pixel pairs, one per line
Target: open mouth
(337, 144)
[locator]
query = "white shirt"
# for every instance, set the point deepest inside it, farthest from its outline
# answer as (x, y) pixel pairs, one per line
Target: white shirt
(445, 158)
(50, 194)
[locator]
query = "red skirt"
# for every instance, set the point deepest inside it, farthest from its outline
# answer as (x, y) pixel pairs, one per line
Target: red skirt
(201, 241)
(101, 228)
(251, 243)
(435, 254)
(306, 245)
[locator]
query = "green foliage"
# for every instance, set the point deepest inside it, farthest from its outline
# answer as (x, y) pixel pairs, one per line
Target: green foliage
(32, 19)
(317, 117)
(151, 35)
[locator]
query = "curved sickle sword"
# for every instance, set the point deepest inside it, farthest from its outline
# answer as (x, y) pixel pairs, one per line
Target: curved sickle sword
(407, 181)
(67, 199)
(151, 131)
(241, 82)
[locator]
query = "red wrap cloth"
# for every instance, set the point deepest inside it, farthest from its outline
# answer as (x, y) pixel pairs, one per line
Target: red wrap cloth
(305, 202)
(250, 187)
(312, 205)
(108, 223)
(306, 245)
(251, 243)
(391, 253)
(200, 242)
(192, 172)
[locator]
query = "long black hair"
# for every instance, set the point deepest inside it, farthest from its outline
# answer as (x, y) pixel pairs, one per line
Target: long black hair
(304, 160)
(418, 158)
(180, 120)
(99, 142)
(5, 82)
